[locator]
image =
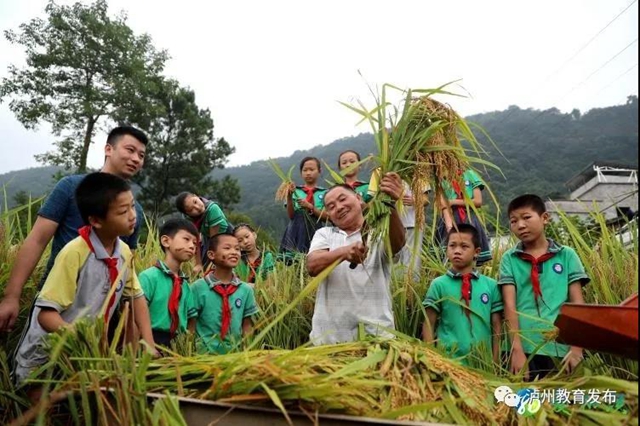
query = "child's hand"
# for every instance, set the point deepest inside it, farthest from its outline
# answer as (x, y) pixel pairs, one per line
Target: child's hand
(572, 359)
(518, 362)
(291, 188)
(306, 205)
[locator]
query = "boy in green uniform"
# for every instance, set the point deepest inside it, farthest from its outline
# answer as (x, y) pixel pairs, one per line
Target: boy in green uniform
(165, 287)
(537, 277)
(223, 303)
(464, 306)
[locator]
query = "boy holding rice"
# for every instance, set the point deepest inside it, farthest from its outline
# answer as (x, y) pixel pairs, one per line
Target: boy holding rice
(91, 274)
(463, 306)
(537, 277)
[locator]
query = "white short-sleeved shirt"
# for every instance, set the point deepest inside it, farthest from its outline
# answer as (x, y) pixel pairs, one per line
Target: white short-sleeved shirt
(350, 296)
(408, 213)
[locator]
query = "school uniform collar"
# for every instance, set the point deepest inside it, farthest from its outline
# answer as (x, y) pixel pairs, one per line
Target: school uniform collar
(343, 232)
(99, 251)
(452, 274)
(164, 268)
(316, 189)
(553, 247)
(212, 281)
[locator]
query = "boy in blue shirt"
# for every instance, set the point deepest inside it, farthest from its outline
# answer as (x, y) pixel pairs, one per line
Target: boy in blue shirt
(59, 218)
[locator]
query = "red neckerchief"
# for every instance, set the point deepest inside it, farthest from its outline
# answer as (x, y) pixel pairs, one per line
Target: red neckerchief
(174, 298)
(466, 293)
(253, 268)
(225, 290)
(535, 275)
(355, 184)
(309, 191)
(462, 211)
(112, 266)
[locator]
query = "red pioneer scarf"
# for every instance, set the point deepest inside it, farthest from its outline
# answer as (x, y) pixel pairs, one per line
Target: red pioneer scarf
(462, 211)
(112, 266)
(535, 275)
(225, 290)
(174, 298)
(466, 294)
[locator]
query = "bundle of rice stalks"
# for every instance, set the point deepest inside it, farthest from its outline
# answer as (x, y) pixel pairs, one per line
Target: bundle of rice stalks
(420, 140)
(394, 379)
(287, 185)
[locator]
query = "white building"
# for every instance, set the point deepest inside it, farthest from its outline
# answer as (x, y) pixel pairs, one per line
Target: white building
(606, 187)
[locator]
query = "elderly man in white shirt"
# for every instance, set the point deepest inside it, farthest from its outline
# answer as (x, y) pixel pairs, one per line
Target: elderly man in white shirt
(349, 296)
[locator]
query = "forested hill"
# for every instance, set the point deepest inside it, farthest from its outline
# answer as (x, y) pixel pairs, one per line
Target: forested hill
(540, 150)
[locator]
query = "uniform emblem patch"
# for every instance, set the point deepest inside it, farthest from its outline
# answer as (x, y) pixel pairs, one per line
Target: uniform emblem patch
(120, 285)
(238, 302)
(484, 298)
(557, 268)
(467, 183)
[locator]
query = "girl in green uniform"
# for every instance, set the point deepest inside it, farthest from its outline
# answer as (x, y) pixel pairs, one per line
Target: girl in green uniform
(347, 159)
(255, 265)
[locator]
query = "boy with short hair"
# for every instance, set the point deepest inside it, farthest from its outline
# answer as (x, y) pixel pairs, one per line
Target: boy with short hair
(537, 277)
(86, 270)
(223, 303)
(464, 306)
(166, 287)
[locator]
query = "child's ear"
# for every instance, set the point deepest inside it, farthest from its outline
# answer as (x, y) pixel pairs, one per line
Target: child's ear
(211, 255)
(95, 222)
(546, 217)
(476, 253)
(165, 241)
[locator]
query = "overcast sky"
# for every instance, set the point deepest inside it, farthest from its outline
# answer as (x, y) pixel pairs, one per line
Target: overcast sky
(271, 72)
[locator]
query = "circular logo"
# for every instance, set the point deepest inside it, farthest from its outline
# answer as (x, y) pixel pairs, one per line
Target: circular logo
(484, 298)
(120, 285)
(557, 268)
(467, 183)
(238, 302)
(527, 406)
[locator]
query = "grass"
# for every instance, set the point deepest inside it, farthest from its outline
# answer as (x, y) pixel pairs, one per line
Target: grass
(400, 379)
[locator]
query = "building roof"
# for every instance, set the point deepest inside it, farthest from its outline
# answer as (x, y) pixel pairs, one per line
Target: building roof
(588, 173)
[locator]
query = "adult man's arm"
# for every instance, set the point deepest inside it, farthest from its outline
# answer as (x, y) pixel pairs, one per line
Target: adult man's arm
(26, 260)
(391, 184)
(318, 260)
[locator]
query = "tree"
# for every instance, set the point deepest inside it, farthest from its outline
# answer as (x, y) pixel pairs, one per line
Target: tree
(225, 192)
(183, 153)
(82, 67)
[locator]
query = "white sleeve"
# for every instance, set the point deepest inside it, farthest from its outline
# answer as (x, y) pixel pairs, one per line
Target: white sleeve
(320, 240)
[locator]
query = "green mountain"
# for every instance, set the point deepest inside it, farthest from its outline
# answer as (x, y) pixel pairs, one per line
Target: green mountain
(536, 151)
